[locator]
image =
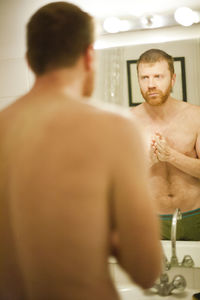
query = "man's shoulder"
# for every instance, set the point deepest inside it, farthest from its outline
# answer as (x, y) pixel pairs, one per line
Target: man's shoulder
(138, 112)
(191, 114)
(194, 107)
(191, 109)
(137, 107)
(109, 111)
(113, 118)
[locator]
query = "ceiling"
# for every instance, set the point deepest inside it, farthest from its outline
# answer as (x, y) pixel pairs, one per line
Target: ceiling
(105, 8)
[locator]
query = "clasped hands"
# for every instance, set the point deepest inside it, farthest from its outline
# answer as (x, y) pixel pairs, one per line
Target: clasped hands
(160, 149)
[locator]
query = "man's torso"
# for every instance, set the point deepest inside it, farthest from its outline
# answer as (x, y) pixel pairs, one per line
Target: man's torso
(53, 157)
(171, 187)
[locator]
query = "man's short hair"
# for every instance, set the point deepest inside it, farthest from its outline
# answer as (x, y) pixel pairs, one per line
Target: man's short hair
(57, 35)
(155, 55)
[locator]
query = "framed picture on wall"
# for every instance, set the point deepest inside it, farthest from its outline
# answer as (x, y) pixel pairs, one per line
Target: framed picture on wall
(179, 89)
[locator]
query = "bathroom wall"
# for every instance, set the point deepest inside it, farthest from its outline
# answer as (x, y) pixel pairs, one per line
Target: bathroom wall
(15, 78)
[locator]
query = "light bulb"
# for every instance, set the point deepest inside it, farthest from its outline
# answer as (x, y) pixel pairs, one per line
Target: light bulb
(185, 16)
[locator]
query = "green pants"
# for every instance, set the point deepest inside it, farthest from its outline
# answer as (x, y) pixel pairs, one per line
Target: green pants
(188, 228)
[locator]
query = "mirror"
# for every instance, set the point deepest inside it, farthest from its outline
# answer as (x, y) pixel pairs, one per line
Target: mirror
(117, 78)
(112, 78)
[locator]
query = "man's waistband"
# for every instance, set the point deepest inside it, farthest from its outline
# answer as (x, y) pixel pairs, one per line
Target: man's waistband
(184, 214)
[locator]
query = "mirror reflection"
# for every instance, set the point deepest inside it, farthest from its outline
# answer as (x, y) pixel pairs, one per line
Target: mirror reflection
(172, 135)
(170, 125)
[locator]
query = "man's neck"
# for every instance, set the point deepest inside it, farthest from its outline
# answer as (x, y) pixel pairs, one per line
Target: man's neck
(63, 81)
(161, 112)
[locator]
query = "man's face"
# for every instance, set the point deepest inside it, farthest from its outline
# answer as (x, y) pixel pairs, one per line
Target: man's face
(155, 82)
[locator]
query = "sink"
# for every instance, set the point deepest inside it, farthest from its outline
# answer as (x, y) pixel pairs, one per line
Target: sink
(133, 292)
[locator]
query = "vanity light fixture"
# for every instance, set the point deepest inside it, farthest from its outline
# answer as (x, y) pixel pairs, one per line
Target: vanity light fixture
(111, 25)
(147, 21)
(153, 21)
(114, 25)
(183, 16)
(125, 25)
(186, 16)
(158, 21)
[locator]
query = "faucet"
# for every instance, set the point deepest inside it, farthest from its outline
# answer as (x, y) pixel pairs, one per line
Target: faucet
(176, 216)
(164, 288)
(187, 260)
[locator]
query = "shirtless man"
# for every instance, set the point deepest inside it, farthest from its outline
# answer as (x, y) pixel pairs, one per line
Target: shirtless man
(73, 182)
(172, 133)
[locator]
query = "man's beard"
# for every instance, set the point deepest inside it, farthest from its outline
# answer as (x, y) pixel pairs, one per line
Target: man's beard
(159, 98)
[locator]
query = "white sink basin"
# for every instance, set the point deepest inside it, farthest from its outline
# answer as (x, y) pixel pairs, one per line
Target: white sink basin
(128, 292)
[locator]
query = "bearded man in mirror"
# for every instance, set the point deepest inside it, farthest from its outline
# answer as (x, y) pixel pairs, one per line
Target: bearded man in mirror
(172, 134)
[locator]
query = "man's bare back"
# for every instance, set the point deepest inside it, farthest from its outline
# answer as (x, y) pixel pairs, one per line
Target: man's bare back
(41, 181)
(56, 160)
(172, 187)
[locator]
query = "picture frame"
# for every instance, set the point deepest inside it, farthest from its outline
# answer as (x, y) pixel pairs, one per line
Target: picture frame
(179, 90)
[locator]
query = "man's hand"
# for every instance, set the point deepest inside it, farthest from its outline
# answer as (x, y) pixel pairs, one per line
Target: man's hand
(152, 154)
(162, 149)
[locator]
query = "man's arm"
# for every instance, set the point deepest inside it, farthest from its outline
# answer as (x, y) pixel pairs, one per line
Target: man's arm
(187, 164)
(137, 245)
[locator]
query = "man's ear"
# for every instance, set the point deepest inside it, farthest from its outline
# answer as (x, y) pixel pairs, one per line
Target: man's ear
(173, 79)
(89, 58)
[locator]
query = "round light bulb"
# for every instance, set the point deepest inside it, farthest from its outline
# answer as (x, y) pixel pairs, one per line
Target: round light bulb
(112, 25)
(185, 16)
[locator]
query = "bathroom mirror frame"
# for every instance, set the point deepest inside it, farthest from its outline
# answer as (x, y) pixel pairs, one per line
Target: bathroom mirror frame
(134, 95)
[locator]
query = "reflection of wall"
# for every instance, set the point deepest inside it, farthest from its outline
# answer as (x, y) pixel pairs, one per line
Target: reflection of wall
(110, 75)
(190, 49)
(177, 91)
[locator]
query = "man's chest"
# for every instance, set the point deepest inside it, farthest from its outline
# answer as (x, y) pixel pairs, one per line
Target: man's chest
(179, 136)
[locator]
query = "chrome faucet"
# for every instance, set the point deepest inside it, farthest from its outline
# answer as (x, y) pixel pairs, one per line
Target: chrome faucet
(165, 288)
(187, 260)
(176, 216)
